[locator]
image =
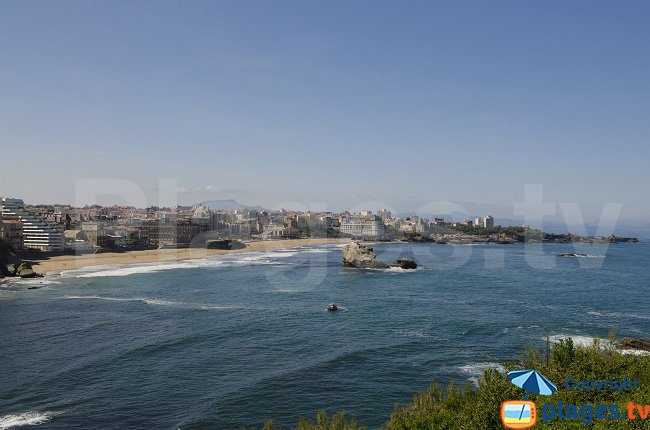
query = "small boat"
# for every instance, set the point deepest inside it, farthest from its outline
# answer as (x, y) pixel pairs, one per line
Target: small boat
(332, 307)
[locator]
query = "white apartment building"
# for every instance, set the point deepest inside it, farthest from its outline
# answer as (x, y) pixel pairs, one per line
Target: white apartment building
(37, 233)
(487, 222)
(370, 226)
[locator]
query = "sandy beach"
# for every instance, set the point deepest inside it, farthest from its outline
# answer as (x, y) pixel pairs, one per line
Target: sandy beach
(68, 262)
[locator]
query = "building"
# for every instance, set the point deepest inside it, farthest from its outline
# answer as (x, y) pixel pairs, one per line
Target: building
(384, 214)
(366, 226)
(38, 233)
(276, 231)
(92, 231)
(11, 232)
(487, 222)
(170, 232)
(438, 221)
(201, 211)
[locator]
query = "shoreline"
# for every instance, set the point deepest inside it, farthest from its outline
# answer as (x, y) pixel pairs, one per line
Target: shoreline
(61, 263)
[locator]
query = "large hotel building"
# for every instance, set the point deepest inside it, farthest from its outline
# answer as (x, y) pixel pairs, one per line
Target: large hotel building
(363, 226)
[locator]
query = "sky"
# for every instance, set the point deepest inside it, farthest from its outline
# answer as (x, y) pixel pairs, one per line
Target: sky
(335, 105)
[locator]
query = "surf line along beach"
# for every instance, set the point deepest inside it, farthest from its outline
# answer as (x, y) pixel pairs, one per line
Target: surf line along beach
(68, 262)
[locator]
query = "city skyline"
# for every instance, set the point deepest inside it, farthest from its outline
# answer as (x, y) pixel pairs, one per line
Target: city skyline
(337, 105)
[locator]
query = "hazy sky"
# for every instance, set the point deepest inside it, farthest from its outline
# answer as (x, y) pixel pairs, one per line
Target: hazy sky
(330, 103)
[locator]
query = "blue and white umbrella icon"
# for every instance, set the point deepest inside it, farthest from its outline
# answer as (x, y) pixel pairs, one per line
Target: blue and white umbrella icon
(532, 381)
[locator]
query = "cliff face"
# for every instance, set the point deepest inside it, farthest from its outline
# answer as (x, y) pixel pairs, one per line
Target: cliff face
(361, 257)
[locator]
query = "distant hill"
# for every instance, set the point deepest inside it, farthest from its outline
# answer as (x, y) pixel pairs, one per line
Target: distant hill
(228, 205)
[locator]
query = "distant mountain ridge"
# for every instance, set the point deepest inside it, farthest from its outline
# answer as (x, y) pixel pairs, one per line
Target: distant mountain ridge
(228, 205)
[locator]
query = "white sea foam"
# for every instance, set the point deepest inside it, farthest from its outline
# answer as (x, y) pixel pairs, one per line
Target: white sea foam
(31, 418)
(475, 370)
(618, 315)
(132, 270)
(155, 302)
(265, 255)
(596, 314)
(479, 368)
(578, 340)
(635, 352)
(208, 262)
(32, 281)
(275, 258)
(411, 333)
(218, 307)
(400, 270)
(394, 270)
(587, 341)
(583, 341)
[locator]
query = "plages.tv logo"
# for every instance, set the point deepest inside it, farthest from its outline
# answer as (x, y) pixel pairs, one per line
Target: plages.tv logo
(518, 414)
(522, 414)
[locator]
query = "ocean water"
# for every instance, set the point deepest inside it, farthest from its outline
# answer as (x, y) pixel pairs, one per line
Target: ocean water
(230, 341)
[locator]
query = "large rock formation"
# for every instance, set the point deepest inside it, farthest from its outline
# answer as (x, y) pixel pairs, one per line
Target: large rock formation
(361, 257)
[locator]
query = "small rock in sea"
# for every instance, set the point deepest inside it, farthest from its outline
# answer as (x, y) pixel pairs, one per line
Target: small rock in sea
(406, 263)
(635, 343)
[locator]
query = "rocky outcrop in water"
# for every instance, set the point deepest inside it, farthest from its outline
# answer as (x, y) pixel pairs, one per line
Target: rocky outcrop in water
(24, 270)
(10, 265)
(406, 263)
(635, 343)
(363, 257)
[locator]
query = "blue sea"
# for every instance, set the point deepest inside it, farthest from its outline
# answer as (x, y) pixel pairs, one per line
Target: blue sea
(231, 341)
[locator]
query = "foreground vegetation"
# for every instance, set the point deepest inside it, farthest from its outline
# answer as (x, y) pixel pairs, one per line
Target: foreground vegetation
(465, 408)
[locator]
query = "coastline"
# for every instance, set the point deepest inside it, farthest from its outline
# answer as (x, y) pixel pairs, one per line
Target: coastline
(69, 262)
